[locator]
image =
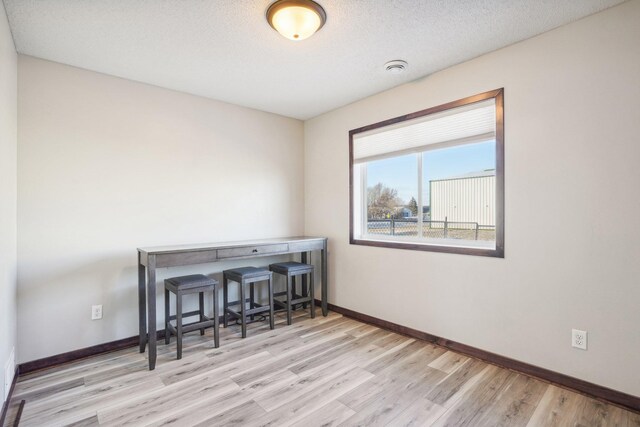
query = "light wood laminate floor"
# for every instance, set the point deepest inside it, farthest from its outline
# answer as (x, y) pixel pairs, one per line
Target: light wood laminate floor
(317, 372)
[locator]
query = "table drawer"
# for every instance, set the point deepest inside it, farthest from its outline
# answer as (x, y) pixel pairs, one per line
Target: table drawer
(314, 245)
(248, 251)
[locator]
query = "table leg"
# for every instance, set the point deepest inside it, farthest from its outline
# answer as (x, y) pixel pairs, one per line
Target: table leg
(325, 280)
(142, 305)
(151, 310)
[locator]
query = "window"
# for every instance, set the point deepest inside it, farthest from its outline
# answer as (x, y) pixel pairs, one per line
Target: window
(431, 180)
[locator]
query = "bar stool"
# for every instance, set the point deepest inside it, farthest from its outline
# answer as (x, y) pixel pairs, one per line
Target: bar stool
(290, 270)
(194, 283)
(244, 276)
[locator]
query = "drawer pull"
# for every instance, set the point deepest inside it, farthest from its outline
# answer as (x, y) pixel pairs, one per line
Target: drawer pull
(255, 251)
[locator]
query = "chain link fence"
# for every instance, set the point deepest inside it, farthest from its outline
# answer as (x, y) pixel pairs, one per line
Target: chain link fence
(432, 229)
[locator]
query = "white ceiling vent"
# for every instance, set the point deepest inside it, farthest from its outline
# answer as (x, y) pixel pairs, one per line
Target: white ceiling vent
(396, 67)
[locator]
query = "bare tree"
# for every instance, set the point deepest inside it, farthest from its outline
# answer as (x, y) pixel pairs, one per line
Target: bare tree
(382, 201)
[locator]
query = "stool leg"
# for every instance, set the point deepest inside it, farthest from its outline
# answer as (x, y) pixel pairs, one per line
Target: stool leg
(225, 299)
(243, 309)
(303, 259)
(167, 313)
(305, 292)
(293, 290)
(252, 298)
(289, 298)
(179, 323)
(312, 303)
(271, 317)
(201, 305)
(216, 319)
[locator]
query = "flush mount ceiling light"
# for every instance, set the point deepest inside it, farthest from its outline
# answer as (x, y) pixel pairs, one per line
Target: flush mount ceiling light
(296, 19)
(396, 67)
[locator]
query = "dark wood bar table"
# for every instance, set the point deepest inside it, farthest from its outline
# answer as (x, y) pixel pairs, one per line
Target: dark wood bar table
(151, 258)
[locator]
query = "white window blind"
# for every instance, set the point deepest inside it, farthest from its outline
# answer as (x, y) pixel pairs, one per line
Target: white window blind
(469, 123)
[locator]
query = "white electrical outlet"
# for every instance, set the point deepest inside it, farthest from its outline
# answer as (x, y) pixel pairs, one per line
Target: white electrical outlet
(579, 339)
(9, 372)
(96, 312)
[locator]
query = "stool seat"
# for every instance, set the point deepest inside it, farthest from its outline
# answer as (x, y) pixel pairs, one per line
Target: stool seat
(238, 274)
(191, 281)
(291, 268)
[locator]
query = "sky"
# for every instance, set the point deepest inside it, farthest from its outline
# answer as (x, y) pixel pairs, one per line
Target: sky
(401, 173)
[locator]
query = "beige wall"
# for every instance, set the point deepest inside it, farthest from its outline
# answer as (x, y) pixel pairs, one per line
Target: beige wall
(572, 120)
(8, 193)
(107, 165)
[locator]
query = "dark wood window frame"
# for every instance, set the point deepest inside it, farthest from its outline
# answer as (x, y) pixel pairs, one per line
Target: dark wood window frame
(498, 252)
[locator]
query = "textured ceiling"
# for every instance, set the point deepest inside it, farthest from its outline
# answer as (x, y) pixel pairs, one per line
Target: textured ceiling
(225, 50)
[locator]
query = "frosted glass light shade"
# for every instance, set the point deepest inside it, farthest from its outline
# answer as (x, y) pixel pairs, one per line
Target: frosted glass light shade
(296, 19)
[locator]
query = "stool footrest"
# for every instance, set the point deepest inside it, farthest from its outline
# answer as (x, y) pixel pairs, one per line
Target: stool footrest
(256, 310)
(295, 298)
(300, 300)
(247, 300)
(194, 326)
(189, 314)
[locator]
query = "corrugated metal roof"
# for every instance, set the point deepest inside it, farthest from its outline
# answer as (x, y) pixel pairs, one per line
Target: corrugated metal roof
(477, 174)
